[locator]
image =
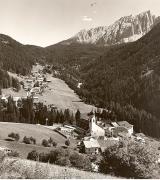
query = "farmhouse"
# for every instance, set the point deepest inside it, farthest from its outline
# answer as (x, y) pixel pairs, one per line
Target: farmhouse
(16, 100)
(90, 146)
(4, 98)
(5, 150)
(127, 126)
(35, 99)
(40, 79)
(35, 90)
(29, 80)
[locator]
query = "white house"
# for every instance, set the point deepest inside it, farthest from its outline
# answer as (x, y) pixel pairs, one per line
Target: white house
(16, 99)
(126, 125)
(4, 98)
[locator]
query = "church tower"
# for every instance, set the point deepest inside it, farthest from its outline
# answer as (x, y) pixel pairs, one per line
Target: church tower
(95, 130)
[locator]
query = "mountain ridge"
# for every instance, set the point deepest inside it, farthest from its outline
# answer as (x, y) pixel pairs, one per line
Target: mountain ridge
(126, 29)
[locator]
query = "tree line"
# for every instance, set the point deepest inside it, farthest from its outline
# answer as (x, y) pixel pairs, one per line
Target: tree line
(28, 112)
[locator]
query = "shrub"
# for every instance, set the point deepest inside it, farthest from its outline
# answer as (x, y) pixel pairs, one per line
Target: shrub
(50, 140)
(32, 140)
(45, 143)
(54, 144)
(13, 154)
(15, 136)
(63, 161)
(55, 155)
(33, 155)
(80, 161)
(67, 142)
(29, 140)
(133, 160)
(44, 157)
(26, 140)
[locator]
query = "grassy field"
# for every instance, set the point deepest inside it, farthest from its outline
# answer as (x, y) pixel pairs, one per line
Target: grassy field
(19, 168)
(37, 131)
(24, 149)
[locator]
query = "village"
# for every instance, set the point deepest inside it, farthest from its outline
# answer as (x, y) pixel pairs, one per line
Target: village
(89, 134)
(96, 134)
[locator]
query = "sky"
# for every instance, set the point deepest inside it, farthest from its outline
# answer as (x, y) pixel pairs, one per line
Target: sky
(46, 22)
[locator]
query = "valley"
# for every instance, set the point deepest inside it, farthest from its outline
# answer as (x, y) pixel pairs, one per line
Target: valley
(57, 93)
(90, 102)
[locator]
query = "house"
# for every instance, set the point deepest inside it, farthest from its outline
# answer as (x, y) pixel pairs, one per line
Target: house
(66, 130)
(35, 99)
(35, 90)
(29, 80)
(16, 100)
(140, 137)
(5, 150)
(4, 98)
(40, 79)
(90, 146)
(127, 126)
(48, 80)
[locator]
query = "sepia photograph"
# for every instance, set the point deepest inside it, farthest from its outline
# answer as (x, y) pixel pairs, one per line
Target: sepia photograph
(79, 89)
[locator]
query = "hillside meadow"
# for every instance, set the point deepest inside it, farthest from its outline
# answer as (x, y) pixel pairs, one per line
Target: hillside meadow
(36, 131)
(14, 168)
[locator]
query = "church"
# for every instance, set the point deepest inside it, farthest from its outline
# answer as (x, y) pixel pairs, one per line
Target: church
(95, 130)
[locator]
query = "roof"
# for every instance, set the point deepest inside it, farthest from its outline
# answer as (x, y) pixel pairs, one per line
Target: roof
(124, 124)
(92, 143)
(122, 134)
(107, 143)
(140, 135)
(114, 124)
(16, 98)
(84, 116)
(107, 126)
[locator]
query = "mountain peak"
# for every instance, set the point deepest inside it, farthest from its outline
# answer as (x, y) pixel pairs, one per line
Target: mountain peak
(126, 29)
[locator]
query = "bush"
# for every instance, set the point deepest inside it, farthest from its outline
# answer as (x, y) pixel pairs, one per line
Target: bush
(133, 160)
(15, 136)
(54, 144)
(29, 140)
(33, 140)
(26, 140)
(56, 154)
(67, 142)
(33, 155)
(50, 141)
(44, 157)
(63, 161)
(45, 143)
(13, 154)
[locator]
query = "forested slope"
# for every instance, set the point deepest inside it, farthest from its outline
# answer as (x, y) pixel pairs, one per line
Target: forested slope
(124, 78)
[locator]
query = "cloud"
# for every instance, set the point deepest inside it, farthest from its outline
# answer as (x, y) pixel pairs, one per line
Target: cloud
(86, 18)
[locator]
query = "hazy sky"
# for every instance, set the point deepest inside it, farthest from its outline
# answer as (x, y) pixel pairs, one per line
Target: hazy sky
(45, 22)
